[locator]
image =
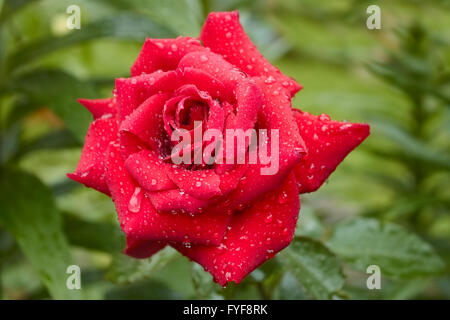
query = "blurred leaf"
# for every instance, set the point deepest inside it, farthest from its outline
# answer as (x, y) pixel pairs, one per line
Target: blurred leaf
(185, 17)
(29, 214)
(309, 225)
(289, 288)
(105, 237)
(404, 79)
(410, 146)
(10, 7)
(9, 140)
(408, 289)
(124, 26)
(59, 91)
(364, 242)
(263, 35)
(21, 108)
(53, 140)
(125, 269)
(146, 290)
(314, 266)
(204, 285)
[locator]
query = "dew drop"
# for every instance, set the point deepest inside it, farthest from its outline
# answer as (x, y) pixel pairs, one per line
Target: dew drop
(270, 80)
(135, 201)
(283, 197)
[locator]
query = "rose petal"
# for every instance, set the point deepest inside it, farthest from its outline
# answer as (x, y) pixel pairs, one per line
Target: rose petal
(163, 54)
(177, 201)
(146, 123)
(201, 184)
(131, 92)
(204, 82)
(223, 33)
(214, 65)
(254, 236)
(142, 249)
(275, 114)
(100, 107)
(91, 166)
(328, 143)
(149, 171)
(138, 217)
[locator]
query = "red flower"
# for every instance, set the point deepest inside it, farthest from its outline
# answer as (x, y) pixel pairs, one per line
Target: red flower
(229, 217)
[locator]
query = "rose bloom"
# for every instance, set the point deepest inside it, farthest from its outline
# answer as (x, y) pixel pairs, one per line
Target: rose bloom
(229, 218)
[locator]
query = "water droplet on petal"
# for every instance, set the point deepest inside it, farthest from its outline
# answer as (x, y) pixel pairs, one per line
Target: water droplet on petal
(283, 197)
(270, 80)
(135, 201)
(268, 218)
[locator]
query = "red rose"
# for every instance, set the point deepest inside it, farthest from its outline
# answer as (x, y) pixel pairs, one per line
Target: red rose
(228, 217)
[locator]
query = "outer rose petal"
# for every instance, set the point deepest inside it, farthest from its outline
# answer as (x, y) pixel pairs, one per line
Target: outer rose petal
(163, 54)
(254, 236)
(223, 33)
(91, 167)
(328, 143)
(138, 217)
(100, 107)
(142, 249)
(275, 114)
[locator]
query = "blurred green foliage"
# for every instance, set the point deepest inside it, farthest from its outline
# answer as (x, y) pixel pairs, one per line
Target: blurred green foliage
(387, 204)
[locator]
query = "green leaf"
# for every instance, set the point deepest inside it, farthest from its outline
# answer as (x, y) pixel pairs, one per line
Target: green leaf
(314, 266)
(57, 139)
(204, 285)
(125, 26)
(105, 237)
(309, 224)
(29, 214)
(410, 146)
(363, 242)
(125, 269)
(145, 290)
(10, 7)
(182, 16)
(59, 91)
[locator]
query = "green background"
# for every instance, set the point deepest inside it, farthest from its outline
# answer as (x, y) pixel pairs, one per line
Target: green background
(387, 204)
